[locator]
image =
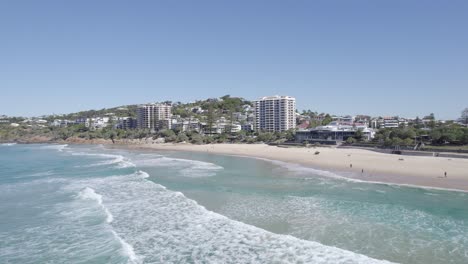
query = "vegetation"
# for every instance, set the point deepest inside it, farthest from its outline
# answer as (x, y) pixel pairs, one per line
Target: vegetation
(464, 116)
(317, 119)
(454, 135)
(122, 111)
(206, 111)
(433, 134)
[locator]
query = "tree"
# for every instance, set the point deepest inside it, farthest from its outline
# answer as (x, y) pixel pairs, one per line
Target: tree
(182, 137)
(436, 136)
(397, 141)
(350, 140)
(266, 137)
(222, 138)
(327, 120)
(168, 135)
(465, 136)
(408, 142)
(210, 118)
(431, 116)
(359, 135)
(196, 139)
(464, 116)
(289, 135)
(110, 135)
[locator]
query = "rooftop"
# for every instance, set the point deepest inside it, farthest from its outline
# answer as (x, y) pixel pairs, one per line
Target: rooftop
(276, 97)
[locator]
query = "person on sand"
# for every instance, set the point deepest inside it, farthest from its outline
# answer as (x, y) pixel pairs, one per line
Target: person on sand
(362, 171)
(445, 174)
(351, 165)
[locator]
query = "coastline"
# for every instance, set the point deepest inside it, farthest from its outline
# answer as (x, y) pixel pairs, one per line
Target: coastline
(414, 171)
(379, 168)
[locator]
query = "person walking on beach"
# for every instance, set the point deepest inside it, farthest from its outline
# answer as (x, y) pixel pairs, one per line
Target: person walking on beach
(445, 174)
(351, 165)
(362, 171)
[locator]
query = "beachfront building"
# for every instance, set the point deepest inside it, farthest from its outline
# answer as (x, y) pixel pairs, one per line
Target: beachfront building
(275, 113)
(247, 127)
(389, 122)
(61, 123)
(344, 119)
(154, 116)
(333, 133)
(126, 123)
(185, 125)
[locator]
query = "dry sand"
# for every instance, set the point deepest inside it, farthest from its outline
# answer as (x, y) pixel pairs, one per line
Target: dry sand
(378, 167)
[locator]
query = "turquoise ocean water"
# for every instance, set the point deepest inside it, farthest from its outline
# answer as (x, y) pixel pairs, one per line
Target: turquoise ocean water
(90, 204)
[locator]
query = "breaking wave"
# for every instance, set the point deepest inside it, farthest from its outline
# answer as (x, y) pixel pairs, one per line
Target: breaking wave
(89, 194)
(7, 144)
(118, 160)
(59, 148)
(166, 227)
(187, 168)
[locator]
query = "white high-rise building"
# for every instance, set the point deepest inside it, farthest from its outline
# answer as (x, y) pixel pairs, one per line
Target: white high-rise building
(275, 113)
(154, 116)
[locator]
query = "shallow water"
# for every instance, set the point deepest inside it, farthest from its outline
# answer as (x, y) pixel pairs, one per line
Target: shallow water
(89, 204)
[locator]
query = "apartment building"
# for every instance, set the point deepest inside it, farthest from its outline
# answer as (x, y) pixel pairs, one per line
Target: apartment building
(126, 123)
(275, 113)
(154, 116)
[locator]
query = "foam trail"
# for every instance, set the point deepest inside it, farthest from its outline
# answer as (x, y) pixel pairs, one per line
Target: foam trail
(179, 230)
(7, 144)
(89, 194)
(189, 168)
(127, 249)
(59, 148)
(45, 173)
(143, 174)
(113, 159)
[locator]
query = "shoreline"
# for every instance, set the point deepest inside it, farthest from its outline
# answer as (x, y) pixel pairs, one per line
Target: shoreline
(379, 168)
(345, 163)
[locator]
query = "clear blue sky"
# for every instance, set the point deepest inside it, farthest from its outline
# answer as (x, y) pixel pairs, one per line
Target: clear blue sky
(390, 57)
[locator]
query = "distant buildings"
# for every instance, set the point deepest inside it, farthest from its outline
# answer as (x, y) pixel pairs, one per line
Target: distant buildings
(4, 119)
(333, 133)
(61, 123)
(154, 116)
(126, 123)
(343, 119)
(275, 113)
(185, 125)
(388, 122)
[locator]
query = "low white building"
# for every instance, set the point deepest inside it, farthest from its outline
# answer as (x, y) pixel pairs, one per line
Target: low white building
(186, 125)
(388, 122)
(333, 132)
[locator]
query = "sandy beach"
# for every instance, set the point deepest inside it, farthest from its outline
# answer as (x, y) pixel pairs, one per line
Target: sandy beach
(358, 164)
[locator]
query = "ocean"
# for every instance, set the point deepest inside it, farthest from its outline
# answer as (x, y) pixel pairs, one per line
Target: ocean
(92, 204)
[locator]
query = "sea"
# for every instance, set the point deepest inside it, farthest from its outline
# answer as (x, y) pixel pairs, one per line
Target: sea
(95, 204)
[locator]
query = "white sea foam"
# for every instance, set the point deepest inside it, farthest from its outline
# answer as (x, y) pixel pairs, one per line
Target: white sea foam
(89, 194)
(143, 174)
(59, 148)
(112, 159)
(127, 249)
(187, 168)
(166, 227)
(44, 173)
(7, 144)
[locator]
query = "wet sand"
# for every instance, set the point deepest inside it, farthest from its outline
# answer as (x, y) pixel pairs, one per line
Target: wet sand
(358, 164)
